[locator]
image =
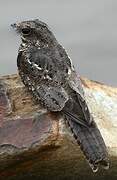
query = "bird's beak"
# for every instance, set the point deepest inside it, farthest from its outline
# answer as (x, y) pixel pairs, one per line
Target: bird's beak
(16, 27)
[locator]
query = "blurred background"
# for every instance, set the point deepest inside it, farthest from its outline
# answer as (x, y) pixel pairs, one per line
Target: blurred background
(86, 28)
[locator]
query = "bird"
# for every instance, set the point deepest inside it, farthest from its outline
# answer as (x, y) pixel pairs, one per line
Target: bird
(47, 71)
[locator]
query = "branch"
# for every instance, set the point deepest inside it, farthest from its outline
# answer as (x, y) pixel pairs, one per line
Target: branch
(36, 143)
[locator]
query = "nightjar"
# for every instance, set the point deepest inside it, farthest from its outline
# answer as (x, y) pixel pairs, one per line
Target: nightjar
(47, 71)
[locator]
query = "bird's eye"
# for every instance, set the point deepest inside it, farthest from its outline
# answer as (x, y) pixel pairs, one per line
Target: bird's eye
(26, 31)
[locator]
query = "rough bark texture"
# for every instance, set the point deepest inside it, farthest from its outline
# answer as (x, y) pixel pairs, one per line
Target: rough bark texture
(36, 144)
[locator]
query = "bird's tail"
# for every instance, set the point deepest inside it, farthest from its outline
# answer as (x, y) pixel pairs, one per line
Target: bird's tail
(91, 143)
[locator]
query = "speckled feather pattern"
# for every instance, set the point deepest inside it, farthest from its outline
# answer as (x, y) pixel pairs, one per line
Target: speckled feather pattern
(47, 71)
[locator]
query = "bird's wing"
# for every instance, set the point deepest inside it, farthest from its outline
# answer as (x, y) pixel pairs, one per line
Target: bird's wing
(75, 84)
(53, 98)
(41, 76)
(37, 73)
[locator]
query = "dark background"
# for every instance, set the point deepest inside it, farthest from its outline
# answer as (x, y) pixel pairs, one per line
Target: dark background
(86, 28)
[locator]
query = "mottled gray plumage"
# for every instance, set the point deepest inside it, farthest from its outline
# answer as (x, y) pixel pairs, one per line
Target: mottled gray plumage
(47, 71)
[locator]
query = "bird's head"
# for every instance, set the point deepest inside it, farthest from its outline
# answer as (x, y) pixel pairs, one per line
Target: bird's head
(35, 31)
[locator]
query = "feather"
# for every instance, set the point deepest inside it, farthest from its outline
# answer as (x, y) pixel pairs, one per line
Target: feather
(47, 71)
(91, 143)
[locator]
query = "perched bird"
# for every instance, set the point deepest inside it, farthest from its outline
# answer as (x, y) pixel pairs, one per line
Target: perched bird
(47, 71)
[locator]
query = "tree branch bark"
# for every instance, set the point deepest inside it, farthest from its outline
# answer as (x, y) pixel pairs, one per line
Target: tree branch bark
(37, 144)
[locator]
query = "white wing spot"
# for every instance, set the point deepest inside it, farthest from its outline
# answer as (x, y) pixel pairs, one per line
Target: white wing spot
(85, 108)
(33, 88)
(23, 44)
(48, 77)
(69, 71)
(29, 61)
(46, 70)
(36, 65)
